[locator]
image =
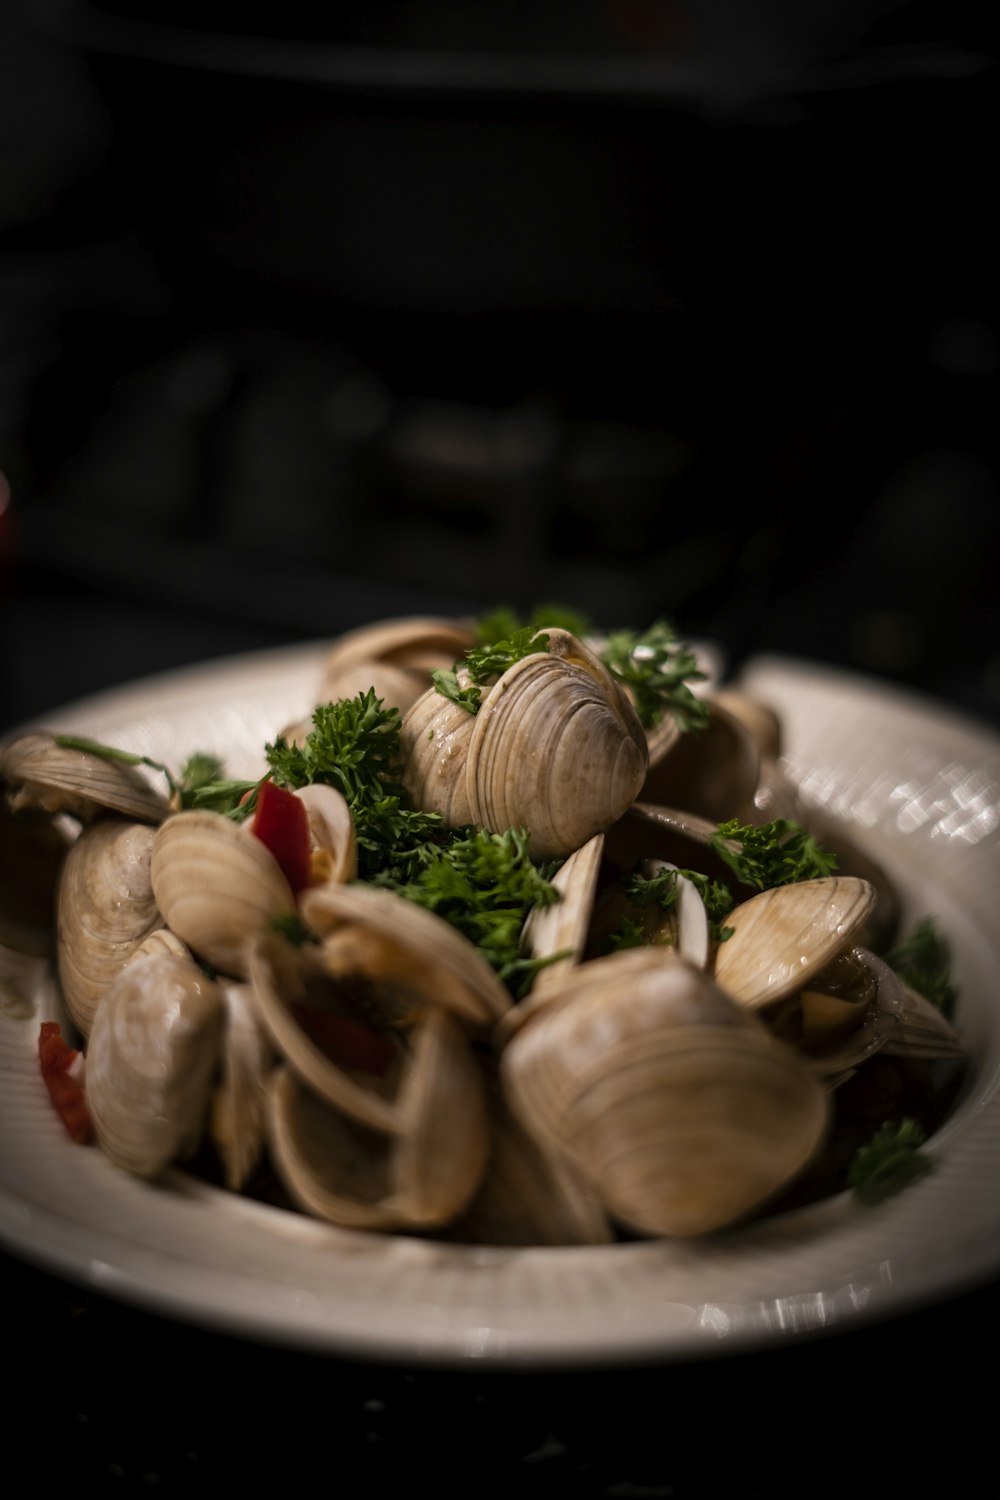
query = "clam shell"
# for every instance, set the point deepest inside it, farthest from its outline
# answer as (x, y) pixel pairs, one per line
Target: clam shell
(151, 1057)
(395, 657)
(712, 773)
(434, 742)
(106, 909)
(50, 776)
(238, 1113)
(332, 1167)
(556, 749)
(529, 1196)
(562, 927)
(783, 937)
(32, 850)
(331, 826)
(217, 886)
(418, 1176)
(405, 944)
(279, 978)
(678, 1108)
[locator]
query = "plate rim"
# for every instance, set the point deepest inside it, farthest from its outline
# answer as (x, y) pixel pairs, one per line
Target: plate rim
(455, 1344)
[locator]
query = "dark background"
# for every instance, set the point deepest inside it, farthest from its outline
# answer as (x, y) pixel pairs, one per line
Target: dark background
(681, 309)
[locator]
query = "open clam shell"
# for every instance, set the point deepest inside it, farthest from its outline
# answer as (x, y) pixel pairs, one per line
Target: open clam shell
(418, 1175)
(783, 937)
(395, 657)
(238, 1114)
(712, 773)
(283, 979)
(40, 773)
(394, 941)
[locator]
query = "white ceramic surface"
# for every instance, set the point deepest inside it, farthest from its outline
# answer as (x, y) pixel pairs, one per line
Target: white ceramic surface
(922, 788)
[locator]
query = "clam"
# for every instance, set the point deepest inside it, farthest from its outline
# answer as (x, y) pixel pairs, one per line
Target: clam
(395, 657)
(331, 829)
(217, 886)
(397, 943)
(420, 1171)
(783, 937)
(529, 1196)
(434, 742)
(674, 1103)
(555, 748)
(858, 1006)
(238, 1111)
(106, 909)
(41, 773)
(152, 1054)
(712, 773)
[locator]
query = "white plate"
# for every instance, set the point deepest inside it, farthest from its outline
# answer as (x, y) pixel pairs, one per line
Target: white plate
(923, 788)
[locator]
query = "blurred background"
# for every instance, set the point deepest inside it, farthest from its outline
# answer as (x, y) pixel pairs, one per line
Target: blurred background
(675, 308)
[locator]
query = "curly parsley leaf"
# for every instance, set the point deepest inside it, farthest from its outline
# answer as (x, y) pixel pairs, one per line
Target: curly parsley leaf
(353, 746)
(656, 669)
(890, 1161)
(923, 961)
(777, 853)
(662, 888)
(500, 624)
(484, 884)
(484, 664)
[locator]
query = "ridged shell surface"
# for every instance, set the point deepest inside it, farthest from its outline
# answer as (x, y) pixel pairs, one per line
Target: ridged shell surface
(106, 909)
(556, 749)
(217, 886)
(153, 1051)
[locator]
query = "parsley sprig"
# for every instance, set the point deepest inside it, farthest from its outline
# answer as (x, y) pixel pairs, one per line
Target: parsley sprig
(485, 884)
(923, 961)
(776, 853)
(354, 747)
(890, 1161)
(197, 772)
(656, 669)
(484, 664)
(662, 889)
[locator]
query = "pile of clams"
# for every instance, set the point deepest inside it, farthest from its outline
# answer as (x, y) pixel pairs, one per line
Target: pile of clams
(380, 1075)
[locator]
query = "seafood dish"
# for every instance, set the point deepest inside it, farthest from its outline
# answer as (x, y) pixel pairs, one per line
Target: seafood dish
(500, 948)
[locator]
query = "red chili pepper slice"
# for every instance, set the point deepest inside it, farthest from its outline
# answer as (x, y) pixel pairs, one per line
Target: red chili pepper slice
(344, 1041)
(65, 1091)
(281, 822)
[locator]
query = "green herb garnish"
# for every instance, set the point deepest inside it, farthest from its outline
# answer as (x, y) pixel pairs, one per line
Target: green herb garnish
(291, 927)
(778, 853)
(354, 747)
(484, 664)
(662, 888)
(484, 884)
(656, 669)
(504, 622)
(200, 770)
(923, 961)
(890, 1161)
